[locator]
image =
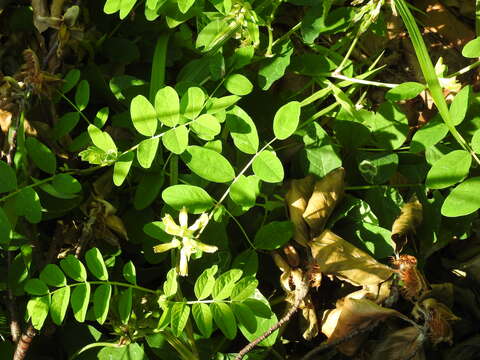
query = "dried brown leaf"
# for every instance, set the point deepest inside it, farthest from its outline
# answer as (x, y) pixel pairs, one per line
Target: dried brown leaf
(335, 256)
(351, 316)
(297, 198)
(406, 343)
(326, 194)
(410, 217)
(116, 224)
(309, 321)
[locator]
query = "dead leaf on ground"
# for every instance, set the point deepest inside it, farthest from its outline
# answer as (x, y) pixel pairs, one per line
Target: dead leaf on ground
(326, 194)
(406, 343)
(335, 256)
(297, 198)
(409, 219)
(352, 315)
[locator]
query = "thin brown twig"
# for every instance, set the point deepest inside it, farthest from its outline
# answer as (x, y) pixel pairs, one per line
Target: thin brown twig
(249, 347)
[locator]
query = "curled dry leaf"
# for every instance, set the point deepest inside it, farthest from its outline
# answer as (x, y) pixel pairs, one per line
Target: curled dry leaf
(438, 317)
(410, 217)
(335, 256)
(296, 284)
(326, 194)
(414, 285)
(350, 317)
(116, 224)
(406, 343)
(297, 198)
(292, 255)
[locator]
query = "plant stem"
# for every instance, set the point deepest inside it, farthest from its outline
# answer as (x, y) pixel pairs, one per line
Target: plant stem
(94, 345)
(116, 283)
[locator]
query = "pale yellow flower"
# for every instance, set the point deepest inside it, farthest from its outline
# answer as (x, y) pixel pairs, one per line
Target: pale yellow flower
(185, 238)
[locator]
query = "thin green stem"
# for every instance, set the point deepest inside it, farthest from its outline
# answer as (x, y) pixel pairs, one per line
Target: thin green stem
(242, 230)
(465, 69)
(367, 187)
(287, 34)
(245, 168)
(46, 180)
(349, 52)
(94, 345)
(74, 106)
(430, 75)
(363, 82)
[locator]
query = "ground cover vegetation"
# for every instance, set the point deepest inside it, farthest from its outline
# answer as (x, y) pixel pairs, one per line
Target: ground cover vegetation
(228, 179)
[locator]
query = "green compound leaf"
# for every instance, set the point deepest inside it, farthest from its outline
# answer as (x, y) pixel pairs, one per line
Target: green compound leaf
(404, 91)
(95, 264)
(225, 320)
(449, 169)
(194, 198)
(206, 126)
(131, 351)
(167, 105)
(41, 155)
(472, 48)
(79, 301)
(101, 302)
(225, 283)
(144, 116)
(208, 164)
(459, 106)
(9, 179)
(36, 287)
(205, 282)
(179, 317)
(5, 227)
(66, 184)
(242, 130)
(203, 318)
(59, 306)
(245, 190)
(129, 273)
(244, 316)
(74, 268)
(176, 139)
(125, 305)
(389, 126)
(244, 288)
(273, 235)
(286, 120)
(146, 151)
(185, 5)
(148, 189)
(464, 199)
(238, 84)
(214, 105)
(27, 203)
(268, 167)
(37, 309)
(65, 124)
(170, 286)
(82, 95)
(429, 135)
(273, 69)
(70, 80)
(53, 276)
(101, 139)
(476, 141)
(122, 167)
(191, 103)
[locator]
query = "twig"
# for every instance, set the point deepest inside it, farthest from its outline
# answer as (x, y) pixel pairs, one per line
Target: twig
(300, 296)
